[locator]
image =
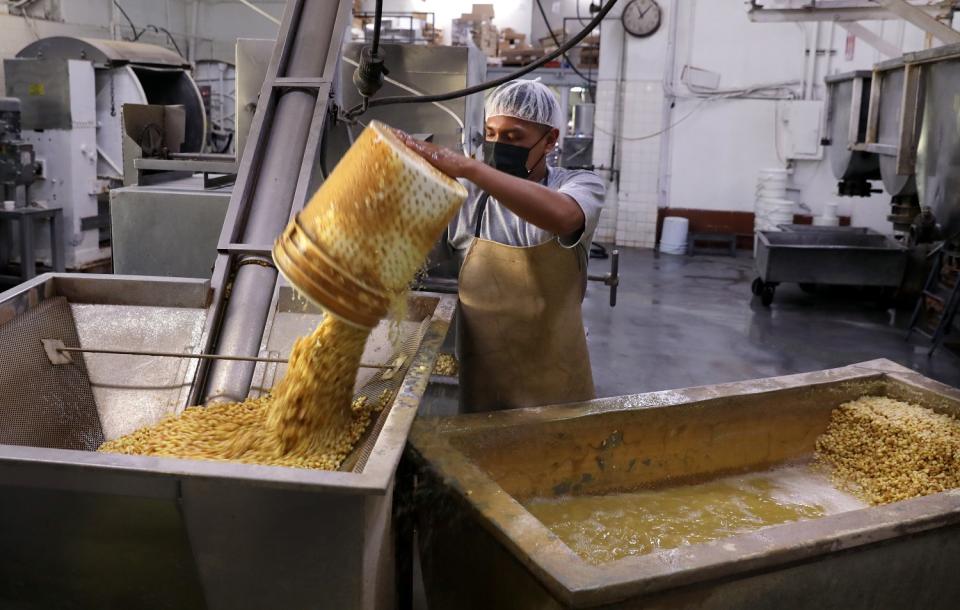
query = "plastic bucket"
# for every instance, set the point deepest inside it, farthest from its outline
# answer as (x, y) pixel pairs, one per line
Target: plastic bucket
(772, 183)
(673, 239)
(332, 251)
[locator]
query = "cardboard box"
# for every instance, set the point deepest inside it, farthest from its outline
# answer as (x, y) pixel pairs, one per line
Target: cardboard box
(485, 11)
(521, 56)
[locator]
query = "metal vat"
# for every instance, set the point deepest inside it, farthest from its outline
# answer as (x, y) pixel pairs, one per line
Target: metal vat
(483, 549)
(938, 149)
(834, 257)
(114, 531)
(848, 105)
(892, 127)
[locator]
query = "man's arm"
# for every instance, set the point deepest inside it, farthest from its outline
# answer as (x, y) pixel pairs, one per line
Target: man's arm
(535, 203)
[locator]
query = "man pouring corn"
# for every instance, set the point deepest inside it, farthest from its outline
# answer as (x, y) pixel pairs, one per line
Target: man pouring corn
(523, 236)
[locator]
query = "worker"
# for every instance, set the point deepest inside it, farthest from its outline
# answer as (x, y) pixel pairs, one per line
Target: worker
(523, 236)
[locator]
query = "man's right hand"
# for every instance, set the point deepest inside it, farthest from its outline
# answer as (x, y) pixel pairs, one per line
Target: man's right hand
(447, 161)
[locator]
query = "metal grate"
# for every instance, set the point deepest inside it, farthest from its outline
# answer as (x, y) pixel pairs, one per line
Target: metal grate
(43, 405)
(374, 388)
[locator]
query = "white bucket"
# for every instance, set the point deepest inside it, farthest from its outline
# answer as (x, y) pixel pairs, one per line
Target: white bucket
(768, 207)
(830, 210)
(772, 183)
(673, 239)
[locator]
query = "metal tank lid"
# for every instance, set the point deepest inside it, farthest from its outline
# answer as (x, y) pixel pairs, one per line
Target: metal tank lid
(101, 51)
(845, 76)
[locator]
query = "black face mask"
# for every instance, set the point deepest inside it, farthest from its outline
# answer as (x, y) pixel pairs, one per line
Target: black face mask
(510, 158)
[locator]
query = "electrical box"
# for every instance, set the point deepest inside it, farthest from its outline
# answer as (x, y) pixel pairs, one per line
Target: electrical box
(799, 126)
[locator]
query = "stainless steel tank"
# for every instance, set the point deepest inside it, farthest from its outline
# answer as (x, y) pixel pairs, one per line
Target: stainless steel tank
(482, 548)
(938, 149)
(92, 530)
(583, 119)
(887, 126)
(849, 97)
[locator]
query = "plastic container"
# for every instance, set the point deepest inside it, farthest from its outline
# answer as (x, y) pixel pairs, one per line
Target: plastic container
(335, 250)
(673, 239)
(772, 183)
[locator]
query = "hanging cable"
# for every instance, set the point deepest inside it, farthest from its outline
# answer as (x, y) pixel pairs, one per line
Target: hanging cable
(377, 20)
(133, 27)
(546, 22)
(443, 97)
(164, 31)
(409, 89)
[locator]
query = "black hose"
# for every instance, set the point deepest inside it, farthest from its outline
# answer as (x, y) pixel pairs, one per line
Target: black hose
(133, 27)
(377, 19)
(546, 22)
(443, 97)
(167, 33)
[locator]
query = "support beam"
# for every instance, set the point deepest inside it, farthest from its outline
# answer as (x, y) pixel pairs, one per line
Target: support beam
(841, 11)
(873, 39)
(921, 19)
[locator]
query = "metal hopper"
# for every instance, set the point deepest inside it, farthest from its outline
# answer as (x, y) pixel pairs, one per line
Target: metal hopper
(117, 531)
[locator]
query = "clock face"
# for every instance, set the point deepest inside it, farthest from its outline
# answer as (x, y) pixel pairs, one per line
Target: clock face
(641, 17)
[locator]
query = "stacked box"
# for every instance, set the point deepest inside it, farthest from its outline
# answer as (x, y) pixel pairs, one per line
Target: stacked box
(476, 26)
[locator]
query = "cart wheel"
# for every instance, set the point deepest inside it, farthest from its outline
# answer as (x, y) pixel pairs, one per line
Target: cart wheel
(756, 287)
(766, 296)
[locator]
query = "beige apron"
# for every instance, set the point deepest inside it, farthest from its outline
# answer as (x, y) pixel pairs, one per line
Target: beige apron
(520, 330)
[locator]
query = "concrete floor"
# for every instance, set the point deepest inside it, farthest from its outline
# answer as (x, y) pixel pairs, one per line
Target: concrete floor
(687, 321)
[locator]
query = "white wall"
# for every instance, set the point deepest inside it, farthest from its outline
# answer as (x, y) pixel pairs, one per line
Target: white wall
(710, 151)
(222, 22)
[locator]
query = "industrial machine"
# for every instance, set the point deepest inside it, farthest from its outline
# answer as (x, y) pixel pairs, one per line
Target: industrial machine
(577, 148)
(849, 96)
(897, 124)
(892, 118)
(72, 91)
(18, 168)
(182, 198)
(117, 531)
(180, 533)
(456, 124)
(19, 224)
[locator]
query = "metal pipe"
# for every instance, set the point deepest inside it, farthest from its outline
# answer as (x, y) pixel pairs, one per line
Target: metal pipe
(192, 43)
(246, 313)
(666, 114)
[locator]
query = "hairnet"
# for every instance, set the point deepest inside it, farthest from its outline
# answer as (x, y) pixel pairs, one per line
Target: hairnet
(525, 99)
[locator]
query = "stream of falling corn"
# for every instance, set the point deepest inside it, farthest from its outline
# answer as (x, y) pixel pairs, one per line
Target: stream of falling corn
(373, 222)
(308, 420)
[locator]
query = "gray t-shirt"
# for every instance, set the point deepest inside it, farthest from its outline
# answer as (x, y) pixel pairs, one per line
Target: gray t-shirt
(503, 226)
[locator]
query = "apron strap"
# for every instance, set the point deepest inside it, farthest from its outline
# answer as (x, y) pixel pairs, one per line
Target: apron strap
(481, 209)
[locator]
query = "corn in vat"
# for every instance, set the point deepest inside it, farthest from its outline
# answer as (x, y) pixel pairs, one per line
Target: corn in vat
(482, 476)
(118, 531)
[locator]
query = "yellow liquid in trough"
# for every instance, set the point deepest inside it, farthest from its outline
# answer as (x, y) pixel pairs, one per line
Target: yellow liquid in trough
(609, 527)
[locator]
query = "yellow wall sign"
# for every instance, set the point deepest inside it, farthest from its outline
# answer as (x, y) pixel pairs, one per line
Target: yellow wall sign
(36, 89)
